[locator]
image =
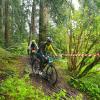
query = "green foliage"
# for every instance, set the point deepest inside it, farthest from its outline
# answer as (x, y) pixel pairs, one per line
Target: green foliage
(6, 58)
(61, 94)
(59, 37)
(61, 64)
(4, 54)
(78, 97)
(19, 49)
(19, 89)
(89, 84)
(96, 69)
(7, 64)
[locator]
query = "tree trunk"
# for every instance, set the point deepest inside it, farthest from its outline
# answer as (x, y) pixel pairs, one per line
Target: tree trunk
(32, 24)
(6, 24)
(1, 21)
(69, 51)
(33, 17)
(43, 20)
(82, 64)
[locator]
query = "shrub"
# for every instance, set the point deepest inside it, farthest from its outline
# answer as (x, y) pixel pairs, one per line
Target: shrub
(18, 89)
(89, 84)
(18, 49)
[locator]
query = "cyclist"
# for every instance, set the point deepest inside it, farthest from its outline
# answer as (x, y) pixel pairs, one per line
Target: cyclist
(43, 51)
(32, 47)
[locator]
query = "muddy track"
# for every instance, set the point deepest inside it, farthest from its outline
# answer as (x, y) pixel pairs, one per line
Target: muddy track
(48, 89)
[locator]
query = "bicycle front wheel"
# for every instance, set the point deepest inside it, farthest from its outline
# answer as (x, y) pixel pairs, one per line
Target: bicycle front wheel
(51, 74)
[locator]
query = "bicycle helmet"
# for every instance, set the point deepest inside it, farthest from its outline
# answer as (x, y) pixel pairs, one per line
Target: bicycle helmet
(33, 41)
(49, 39)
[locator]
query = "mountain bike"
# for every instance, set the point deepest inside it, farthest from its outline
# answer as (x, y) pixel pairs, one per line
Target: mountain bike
(49, 71)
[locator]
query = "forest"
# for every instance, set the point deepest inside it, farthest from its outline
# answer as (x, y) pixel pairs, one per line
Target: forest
(73, 26)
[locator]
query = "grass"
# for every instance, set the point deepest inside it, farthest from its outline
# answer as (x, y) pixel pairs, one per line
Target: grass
(89, 84)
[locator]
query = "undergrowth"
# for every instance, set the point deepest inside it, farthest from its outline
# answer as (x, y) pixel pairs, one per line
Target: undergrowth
(18, 49)
(89, 84)
(7, 64)
(18, 89)
(14, 88)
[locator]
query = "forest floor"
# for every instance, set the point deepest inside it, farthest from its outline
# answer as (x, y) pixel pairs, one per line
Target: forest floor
(37, 81)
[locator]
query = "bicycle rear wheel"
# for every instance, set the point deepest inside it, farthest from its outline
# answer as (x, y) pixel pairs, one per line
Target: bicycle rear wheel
(36, 66)
(51, 74)
(32, 58)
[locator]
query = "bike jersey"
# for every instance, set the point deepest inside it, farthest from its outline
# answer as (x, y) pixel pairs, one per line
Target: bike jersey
(44, 48)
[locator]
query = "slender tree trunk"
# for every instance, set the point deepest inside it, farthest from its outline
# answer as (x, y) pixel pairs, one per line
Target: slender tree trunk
(82, 64)
(71, 60)
(33, 17)
(6, 33)
(32, 24)
(30, 34)
(43, 20)
(70, 46)
(1, 20)
(89, 67)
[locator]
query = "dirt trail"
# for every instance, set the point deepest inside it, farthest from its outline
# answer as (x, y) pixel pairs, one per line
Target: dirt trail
(39, 82)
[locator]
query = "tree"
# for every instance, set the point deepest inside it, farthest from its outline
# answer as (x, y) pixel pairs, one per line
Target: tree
(20, 13)
(6, 23)
(33, 30)
(1, 21)
(82, 31)
(43, 20)
(84, 38)
(32, 24)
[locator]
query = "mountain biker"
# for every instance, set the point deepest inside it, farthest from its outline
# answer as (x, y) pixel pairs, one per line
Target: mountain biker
(32, 47)
(43, 50)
